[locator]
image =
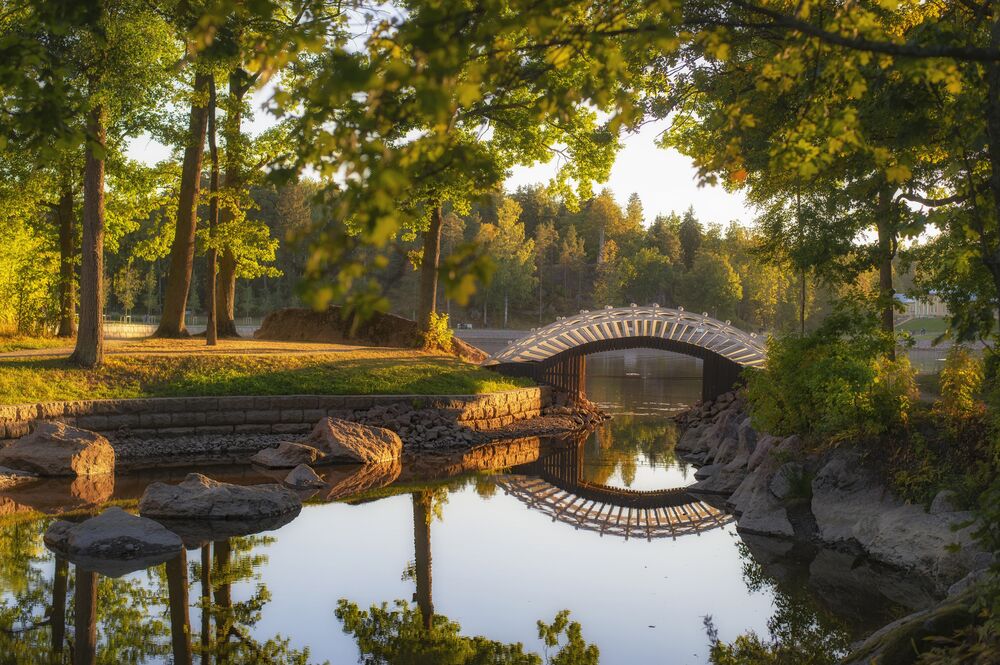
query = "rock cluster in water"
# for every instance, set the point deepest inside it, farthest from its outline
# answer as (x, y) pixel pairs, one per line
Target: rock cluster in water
(776, 487)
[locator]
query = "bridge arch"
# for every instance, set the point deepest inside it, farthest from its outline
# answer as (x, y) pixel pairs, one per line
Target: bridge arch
(556, 353)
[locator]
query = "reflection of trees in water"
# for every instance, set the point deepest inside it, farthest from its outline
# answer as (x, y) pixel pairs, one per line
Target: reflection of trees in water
(396, 635)
(798, 632)
(617, 444)
(405, 634)
(140, 617)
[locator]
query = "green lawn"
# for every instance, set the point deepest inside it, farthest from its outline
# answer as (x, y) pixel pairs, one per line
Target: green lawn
(361, 372)
(20, 343)
(932, 325)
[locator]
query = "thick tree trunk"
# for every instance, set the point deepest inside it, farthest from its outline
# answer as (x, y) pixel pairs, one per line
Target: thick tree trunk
(182, 249)
(225, 291)
(429, 271)
(225, 288)
(89, 351)
(67, 263)
(211, 257)
(223, 593)
(886, 251)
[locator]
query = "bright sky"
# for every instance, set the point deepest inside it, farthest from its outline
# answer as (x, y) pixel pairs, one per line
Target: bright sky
(664, 179)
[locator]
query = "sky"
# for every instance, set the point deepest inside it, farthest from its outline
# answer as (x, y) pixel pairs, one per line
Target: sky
(664, 179)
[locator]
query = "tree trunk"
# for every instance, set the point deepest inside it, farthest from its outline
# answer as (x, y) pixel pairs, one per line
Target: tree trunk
(180, 622)
(85, 618)
(506, 307)
(211, 257)
(886, 250)
(232, 129)
(422, 555)
(89, 351)
(802, 304)
(225, 289)
(222, 558)
(182, 249)
(67, 261)
(57, 616)
(206, 603)
(429, 271)
(991, 251)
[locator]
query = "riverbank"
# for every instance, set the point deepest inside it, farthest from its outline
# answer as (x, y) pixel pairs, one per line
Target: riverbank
(180, 368)
(838, 498)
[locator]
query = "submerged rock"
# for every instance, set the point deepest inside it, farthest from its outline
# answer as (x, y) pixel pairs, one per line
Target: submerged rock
(56, 449)
(346, 442)
(113, 543)
(200, 497)
(286, 455)
(303, 477)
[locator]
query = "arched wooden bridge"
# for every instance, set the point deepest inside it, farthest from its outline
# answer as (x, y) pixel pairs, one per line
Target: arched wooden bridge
(556, 353)
(555, 486)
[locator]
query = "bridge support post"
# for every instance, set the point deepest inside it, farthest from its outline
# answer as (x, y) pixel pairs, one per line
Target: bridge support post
(569, 375)
(718, 375)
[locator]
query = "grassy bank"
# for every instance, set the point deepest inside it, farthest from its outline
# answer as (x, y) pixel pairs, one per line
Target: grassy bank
(20, 343)
(246, 370)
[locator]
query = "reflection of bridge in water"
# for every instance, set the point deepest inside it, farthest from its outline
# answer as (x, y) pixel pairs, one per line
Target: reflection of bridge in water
(555, 486)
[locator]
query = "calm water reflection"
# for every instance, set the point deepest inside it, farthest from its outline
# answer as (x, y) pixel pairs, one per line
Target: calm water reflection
(464, 553)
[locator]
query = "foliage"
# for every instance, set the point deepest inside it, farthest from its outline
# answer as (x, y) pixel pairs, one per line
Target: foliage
(836, 381)
(439, 335)
(395, 635)
(961, 381)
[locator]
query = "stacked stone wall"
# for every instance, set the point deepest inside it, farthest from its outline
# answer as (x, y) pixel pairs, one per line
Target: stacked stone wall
(280, 414)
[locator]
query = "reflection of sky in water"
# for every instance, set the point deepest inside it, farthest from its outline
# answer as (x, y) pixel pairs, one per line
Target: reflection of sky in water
(498, 567)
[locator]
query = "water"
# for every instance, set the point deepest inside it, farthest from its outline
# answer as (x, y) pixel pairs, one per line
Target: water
(489, 552)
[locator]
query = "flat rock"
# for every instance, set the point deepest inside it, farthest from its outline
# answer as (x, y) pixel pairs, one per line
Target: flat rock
(346, 442)
(707, 471)
(113, 543)
(200, 497)
(303, 477)
(286, 455)
(56, 449)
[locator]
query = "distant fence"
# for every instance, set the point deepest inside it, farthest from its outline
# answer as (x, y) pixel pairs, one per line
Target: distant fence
(136, 327)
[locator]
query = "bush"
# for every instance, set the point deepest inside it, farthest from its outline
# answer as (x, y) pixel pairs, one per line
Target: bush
(439, 334)
(838, 380)
(961, 380)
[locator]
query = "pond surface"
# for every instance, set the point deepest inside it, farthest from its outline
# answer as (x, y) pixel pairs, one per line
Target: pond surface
(481, 554)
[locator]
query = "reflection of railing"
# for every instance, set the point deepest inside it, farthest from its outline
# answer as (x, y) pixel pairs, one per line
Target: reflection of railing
(555, 486)
(683, 514)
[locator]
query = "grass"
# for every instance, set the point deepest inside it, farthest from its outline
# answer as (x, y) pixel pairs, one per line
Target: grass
(933, 325)
(22, 343)
(346, 371)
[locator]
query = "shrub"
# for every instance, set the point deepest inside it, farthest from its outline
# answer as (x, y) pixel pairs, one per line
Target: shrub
(961, 380)
(438, 335)
(838, 380)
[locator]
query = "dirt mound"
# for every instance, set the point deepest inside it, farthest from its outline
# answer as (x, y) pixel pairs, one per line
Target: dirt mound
(296, 324)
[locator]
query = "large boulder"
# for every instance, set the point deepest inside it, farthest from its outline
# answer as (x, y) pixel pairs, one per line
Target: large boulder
(286, 455)
(346, 442)
(850, 503)
(56, 449)
(114, 542)
(200, 497)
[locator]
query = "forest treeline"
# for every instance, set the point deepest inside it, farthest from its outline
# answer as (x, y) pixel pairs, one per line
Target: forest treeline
(547, 261)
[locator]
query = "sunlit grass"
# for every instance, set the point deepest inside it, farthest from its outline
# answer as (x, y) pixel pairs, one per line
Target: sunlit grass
(22, 343)
(356, 372)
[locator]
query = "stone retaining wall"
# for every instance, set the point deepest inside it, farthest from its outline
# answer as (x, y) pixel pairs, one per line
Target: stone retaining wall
(285, 414)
